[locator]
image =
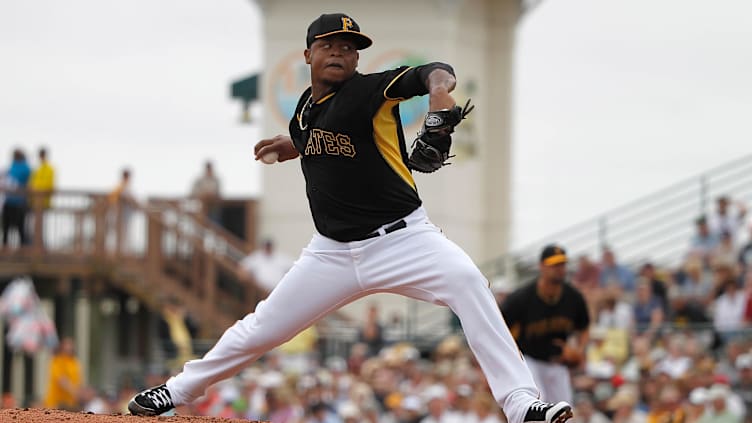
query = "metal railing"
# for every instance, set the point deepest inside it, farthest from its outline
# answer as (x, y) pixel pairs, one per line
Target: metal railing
(657, 227)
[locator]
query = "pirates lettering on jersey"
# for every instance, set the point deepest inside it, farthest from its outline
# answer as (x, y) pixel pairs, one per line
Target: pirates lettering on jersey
(351, 134)
(545, 327)
(328, 143)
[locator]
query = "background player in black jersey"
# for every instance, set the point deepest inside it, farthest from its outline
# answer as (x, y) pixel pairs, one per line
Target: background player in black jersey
(372, 233)
(549, 319)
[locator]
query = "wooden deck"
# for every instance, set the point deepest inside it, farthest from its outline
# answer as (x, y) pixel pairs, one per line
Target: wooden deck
(150, 251)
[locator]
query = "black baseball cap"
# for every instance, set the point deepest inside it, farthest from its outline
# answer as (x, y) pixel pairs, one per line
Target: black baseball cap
(336, 23)
(553, 255)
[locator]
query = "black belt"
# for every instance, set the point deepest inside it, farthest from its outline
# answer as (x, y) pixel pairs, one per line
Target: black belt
(389, 229)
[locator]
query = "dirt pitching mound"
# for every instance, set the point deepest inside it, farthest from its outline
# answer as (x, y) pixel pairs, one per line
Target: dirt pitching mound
(43, 415)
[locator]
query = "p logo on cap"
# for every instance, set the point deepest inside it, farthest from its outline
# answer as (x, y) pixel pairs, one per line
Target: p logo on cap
(347, 23)
(337, 23)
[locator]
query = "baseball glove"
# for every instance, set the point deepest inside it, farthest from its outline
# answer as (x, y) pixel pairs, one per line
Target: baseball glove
(431, 148)
(571, 357)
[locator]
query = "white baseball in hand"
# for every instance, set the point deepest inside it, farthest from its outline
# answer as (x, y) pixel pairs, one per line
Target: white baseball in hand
(270, 157)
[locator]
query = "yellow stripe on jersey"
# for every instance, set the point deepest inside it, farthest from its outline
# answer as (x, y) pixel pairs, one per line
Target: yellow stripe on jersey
(326, 97)
(387, 140)
(392, 83)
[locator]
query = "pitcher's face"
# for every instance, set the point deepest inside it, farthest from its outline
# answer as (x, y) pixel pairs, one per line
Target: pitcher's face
(333, 59)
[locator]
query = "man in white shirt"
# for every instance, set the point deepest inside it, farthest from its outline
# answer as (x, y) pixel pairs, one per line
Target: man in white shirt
(266, 265)
(723, 220)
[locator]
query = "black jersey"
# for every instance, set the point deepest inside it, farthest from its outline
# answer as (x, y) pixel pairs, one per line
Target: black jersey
(353, 152)
(536, 324)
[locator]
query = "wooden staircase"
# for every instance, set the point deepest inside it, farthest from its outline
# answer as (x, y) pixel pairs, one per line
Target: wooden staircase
(148, 251)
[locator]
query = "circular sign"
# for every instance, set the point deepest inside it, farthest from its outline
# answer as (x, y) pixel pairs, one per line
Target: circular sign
(287, 82)
(291, 76)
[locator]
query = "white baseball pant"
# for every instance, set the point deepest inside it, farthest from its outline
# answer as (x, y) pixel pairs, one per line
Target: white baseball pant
(553, 378)
(417, 261)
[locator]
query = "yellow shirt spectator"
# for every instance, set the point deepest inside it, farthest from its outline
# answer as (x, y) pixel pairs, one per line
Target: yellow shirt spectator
(65, 378)
(43, 180)
(304, 342)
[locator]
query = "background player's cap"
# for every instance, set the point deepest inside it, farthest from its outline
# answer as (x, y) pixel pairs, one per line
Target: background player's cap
(552, 255)
(336, 23)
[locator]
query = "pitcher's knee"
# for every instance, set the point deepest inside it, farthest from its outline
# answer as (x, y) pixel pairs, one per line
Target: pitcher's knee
(465, 274)
(259, 337)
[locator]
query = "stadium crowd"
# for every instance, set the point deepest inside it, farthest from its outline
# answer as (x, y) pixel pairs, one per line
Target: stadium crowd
(667, 345)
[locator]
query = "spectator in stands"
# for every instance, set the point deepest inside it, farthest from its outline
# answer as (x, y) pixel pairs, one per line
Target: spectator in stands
(748, 294)
(728, 310)
(252, 393)
(484, 409)
(725, 361)
(266, 265)
(121, 201)
(16, 205)
(723, 220)
(42, 184)
(357, 356)
(743, 386)
(719, 411)
(745, 253)
(725, 252)
(687, 312)
(42, 181)
(206, 189)
(395, 329)
(704, 242)
(696, 283)
(587, 275)
(438, 406)
(282, 406)
(657, 285)
(623, 406)
(585, 411)
(722, 273)
(299, 353)
(410, 410)
(372, 333)
(613, 272)
(64, 380)
(641, 362)
(697, 404)
(676, 363)
(176, 330)
(613, 311)
(668, 406)
(647, 309)
(603, 353)
(461, 402)
(320, 412)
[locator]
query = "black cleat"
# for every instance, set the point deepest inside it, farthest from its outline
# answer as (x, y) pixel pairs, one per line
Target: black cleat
(544, 412)
(152, 402)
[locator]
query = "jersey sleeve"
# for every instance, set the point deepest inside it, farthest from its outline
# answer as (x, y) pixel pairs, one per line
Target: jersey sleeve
(511, 311)
(409, 82)
(582, 319)
(294, 126)
(510, 308)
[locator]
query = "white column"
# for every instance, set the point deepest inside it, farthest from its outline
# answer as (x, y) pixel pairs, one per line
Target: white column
(17, 377)
(2, 354)
(83, 335)
(43, 357)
